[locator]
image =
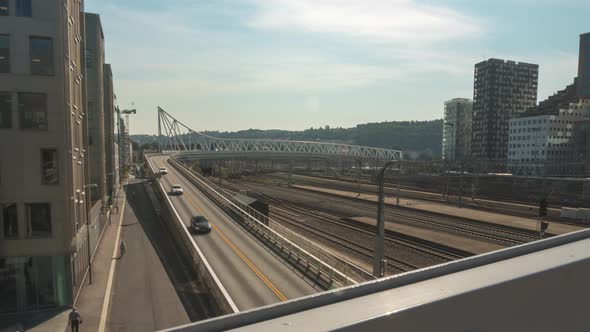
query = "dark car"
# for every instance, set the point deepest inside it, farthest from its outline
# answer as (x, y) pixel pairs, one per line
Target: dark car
(200, 224)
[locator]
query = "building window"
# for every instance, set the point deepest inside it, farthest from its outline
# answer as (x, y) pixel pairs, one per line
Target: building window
(88, 58)
(4, 54)
(38, 220)
(24, 8)
(33, 111)
(49, 170)
(9, 221)
(4, 7)
(29, 283)
(8, 285)
(41, 56)
(5, 110)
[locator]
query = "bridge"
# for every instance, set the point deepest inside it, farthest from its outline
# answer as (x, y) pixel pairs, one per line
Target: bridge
(176, 138)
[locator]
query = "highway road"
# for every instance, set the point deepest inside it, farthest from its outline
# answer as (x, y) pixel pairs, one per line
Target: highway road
(250, 272)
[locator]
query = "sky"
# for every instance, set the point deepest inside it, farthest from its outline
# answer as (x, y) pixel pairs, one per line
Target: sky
(294, 64)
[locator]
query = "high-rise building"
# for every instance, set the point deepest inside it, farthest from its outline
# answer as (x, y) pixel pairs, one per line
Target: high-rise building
(457, 129)
(43, 253)
(94, 42)
(501, 90)
(584, 66)
(109, 134)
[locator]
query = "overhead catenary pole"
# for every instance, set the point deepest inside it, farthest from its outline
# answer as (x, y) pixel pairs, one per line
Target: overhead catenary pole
(378, 263)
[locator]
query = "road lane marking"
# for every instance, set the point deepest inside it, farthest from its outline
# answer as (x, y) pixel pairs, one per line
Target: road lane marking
(260, 275)
(249, 263)
(107, 295)
(208, 267)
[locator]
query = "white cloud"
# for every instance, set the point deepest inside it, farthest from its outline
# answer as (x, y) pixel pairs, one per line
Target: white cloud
(397, 21)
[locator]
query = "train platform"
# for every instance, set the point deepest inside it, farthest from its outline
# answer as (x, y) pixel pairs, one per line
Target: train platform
(491, 217)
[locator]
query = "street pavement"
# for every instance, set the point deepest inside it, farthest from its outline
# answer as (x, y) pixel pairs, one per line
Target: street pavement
(149, 288)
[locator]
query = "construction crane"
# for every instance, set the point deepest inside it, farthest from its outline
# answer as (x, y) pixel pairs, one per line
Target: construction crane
(127, 139)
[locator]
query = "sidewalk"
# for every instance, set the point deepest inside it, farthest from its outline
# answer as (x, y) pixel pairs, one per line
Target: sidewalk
(90, 298)
(150, 288)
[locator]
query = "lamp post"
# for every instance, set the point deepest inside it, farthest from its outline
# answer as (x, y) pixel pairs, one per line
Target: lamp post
(83, 193)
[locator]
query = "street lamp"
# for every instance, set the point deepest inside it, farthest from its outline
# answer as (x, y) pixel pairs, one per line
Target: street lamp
(83, 193)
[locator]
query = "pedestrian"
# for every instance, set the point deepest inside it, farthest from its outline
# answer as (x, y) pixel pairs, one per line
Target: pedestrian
(75, 319)
(122, 247)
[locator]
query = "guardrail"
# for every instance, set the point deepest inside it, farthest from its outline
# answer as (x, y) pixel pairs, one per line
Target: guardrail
(317, 268)
(221, 297)
(578, 214)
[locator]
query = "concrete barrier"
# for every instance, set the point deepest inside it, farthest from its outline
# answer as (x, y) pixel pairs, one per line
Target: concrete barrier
(220, 295)
(584, 214)
(569, 213)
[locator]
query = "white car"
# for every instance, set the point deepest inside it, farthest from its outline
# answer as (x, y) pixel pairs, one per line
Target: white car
(176, 190)
(163, 170)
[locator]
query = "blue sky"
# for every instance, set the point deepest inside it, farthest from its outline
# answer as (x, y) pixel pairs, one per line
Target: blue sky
(294, 64)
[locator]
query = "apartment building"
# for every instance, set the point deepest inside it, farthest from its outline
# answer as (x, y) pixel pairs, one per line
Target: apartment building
(501, 91)
(43, 252)
(457, 129)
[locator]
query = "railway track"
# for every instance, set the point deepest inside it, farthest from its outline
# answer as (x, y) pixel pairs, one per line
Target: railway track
(475, 229)
(397, 265)
(284, 217)
(287, 210)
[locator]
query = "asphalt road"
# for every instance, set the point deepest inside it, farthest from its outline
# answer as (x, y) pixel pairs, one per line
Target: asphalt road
(252, 275)
(152, 289)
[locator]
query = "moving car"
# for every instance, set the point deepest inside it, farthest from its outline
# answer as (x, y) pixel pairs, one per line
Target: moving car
(200, 224)
(163, 170)
(176, 190)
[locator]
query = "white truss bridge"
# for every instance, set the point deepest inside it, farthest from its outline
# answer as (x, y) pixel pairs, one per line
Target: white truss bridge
(175, 137)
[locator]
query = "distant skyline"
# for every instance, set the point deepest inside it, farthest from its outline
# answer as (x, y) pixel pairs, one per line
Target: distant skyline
(294, 64)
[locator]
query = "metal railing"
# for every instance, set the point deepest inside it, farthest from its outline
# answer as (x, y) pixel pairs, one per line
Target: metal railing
(326, 269)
